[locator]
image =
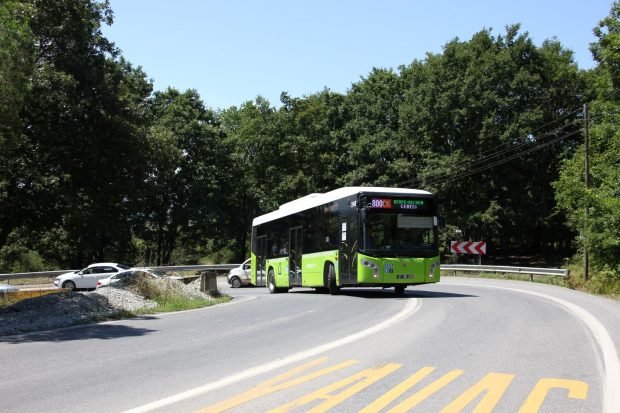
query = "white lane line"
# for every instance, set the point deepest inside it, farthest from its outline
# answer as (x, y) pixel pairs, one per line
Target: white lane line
(410, 308)
(610, 362)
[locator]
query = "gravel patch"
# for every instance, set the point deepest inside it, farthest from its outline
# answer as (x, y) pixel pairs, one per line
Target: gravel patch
(67, 309)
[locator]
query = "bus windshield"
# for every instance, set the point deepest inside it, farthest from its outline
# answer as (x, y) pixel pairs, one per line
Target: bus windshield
(397, 234)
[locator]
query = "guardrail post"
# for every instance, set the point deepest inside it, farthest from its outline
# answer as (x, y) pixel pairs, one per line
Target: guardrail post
(208, 283)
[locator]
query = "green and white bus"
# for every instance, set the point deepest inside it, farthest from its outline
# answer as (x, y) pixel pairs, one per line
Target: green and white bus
(349, 237)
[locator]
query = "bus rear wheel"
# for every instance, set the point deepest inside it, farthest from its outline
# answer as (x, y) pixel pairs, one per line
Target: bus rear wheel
(331, 281)
(271, 283)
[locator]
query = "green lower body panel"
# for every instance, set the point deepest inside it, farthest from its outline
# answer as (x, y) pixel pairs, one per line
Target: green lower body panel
(393, 271)
(379, 271)
(280, 269)
(314, 267)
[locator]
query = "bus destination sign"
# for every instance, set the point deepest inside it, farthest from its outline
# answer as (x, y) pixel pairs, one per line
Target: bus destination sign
(396, 203)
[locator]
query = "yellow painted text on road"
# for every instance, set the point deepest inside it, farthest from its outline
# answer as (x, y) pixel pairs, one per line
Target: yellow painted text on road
(486, 392)
(357, 383)
(278, 383)
(576, 390)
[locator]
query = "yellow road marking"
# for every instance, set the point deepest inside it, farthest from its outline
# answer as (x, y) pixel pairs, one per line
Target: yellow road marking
(492, 385)
(426, 392)
(362, 380)
(576, 390)
(278, 383)
(397, 391)
(495, 384)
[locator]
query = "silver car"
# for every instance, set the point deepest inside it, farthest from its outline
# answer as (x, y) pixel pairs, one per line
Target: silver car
(125, 276)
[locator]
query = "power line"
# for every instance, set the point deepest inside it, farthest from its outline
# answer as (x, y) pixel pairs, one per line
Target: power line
(483, 160)
(445, 178)
(532, 133)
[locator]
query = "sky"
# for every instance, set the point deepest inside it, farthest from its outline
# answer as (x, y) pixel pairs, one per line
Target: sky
(232, 51)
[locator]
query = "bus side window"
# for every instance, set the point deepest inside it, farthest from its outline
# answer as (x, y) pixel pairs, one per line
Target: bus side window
(331, 231)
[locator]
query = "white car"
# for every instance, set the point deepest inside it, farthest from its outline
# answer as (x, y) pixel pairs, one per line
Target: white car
(240, 275)
(88, 277)
(135, 272)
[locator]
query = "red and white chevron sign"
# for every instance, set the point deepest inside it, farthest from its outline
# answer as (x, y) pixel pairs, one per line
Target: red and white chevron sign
(468, 247)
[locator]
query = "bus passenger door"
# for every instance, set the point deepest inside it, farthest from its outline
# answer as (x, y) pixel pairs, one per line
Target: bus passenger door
(348, 250)
(261, 260)
(294, 255)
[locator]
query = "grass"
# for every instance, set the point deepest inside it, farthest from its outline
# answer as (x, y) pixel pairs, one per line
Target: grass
(184, 303)
(602, 283)
(6, 300)
(170, 297)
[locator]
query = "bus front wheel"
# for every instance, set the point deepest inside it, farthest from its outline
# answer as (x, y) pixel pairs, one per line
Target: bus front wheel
(399, 289)
(331, 281)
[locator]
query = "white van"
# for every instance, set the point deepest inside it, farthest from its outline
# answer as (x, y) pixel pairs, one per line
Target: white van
(240, 275)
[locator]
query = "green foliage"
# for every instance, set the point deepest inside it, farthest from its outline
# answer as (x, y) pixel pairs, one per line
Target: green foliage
(370, 141)
(447, 234)
(75, 161)
(593, 211)
(466, 109)
(187, 169)
(16, 64)
(15, 258)
(16, 68)
(169, 296)
(605, 50)
(227, 254)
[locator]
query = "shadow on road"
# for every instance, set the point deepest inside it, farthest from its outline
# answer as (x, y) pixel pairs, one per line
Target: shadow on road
(84, 332)
(389, 294)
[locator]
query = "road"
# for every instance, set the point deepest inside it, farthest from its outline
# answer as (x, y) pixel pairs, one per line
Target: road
(455, 346)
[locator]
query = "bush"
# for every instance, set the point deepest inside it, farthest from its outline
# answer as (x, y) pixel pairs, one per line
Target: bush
(16, 258)
(171, 295)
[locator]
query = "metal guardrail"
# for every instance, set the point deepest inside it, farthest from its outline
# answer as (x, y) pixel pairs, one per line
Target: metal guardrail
(42, 274)
(506, 269)
(215, 267)
(51, 274)
(226, 267)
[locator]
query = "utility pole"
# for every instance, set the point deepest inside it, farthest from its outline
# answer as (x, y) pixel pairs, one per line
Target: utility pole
(586, 145)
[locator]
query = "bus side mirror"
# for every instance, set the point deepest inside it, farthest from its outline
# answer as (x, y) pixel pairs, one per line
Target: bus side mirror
(441, 222)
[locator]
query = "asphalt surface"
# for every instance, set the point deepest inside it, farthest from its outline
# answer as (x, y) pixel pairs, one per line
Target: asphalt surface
(453, 346)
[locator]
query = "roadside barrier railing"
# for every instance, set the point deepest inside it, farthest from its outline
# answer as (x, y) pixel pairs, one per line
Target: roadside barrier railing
(531, 271)
(455, 268)
(51, 274)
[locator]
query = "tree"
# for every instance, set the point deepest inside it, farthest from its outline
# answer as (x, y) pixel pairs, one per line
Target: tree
(372, 149)
(186, 176)
(79, 140)
(16, 67)
(598, 229)
(311, 143)
(254, 136)
(480, 103)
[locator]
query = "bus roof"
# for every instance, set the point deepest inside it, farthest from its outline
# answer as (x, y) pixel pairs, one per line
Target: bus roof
(313, 200)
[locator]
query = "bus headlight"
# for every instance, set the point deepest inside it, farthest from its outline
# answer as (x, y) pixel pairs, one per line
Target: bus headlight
(432, 268)
(375, 268)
